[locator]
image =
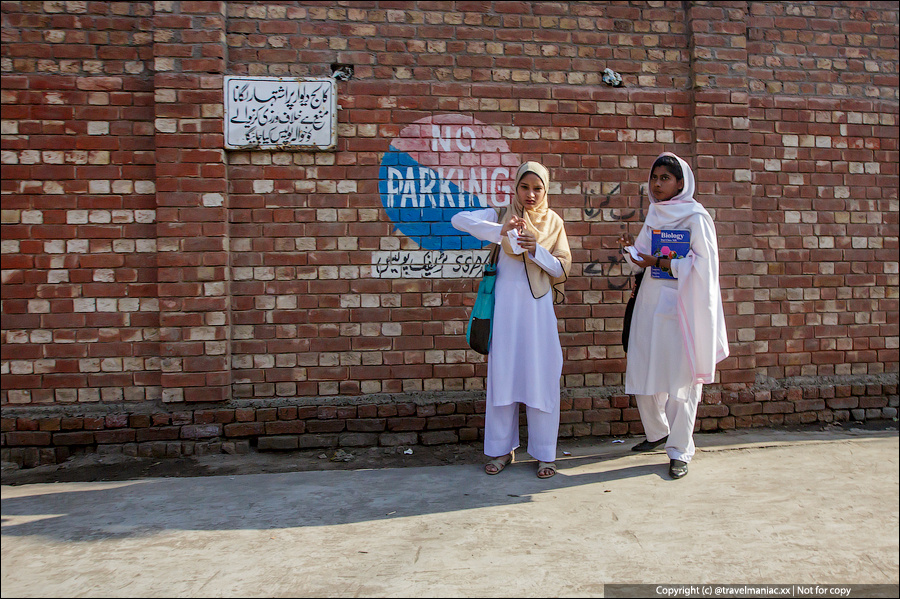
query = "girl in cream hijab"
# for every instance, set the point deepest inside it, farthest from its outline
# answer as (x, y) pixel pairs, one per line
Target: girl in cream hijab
(525, 358)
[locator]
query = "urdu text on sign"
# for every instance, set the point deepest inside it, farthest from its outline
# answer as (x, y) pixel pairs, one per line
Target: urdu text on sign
(280, 113)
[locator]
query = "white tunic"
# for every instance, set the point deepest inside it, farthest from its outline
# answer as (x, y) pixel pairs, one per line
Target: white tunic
(525, 359)
(658, 361)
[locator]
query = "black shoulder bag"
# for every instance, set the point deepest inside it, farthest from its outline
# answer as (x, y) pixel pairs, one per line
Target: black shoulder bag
(629, 310)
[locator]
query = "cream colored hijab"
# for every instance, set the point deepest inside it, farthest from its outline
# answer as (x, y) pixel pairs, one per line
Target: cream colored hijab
(549, 230)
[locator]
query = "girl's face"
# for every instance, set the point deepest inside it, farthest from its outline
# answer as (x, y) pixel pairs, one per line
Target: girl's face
(663, 184)
(530, 191)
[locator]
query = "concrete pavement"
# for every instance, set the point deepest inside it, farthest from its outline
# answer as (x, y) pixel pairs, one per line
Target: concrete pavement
(758, 506)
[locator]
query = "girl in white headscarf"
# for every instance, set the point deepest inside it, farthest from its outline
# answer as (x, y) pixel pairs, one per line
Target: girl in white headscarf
(677, 333)
(525, 358)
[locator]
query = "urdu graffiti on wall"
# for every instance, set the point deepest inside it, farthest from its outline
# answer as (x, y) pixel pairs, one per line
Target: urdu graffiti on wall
(434, 168)
(600, 210)
(416, 264)
(280, 113)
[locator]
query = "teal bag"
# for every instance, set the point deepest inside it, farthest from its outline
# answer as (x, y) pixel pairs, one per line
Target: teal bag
(478, 332)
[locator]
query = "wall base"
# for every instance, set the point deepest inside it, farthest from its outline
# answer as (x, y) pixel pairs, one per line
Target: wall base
(33, 436)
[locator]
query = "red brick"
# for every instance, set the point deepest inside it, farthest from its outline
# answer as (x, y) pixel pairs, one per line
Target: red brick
(405, 424)
(283, 427)
(366, 424)
(157, 433)
(49, 424)
(244, 429)
(116, 421)
(201, 431)
(27, 438)
(745, 409)
(116, 436)
(324, 426)
(842, 403)
(454, 421)
(74, 438)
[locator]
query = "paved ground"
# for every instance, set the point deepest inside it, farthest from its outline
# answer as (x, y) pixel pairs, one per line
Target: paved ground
(760, 506)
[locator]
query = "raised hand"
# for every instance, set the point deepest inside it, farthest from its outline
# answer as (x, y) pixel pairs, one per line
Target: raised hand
(514, 222)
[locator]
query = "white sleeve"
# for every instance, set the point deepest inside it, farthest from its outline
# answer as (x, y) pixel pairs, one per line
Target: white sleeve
(547, 261)
(681, 266)
(481, 224)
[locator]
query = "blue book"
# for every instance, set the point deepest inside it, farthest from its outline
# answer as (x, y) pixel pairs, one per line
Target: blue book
(663, 243)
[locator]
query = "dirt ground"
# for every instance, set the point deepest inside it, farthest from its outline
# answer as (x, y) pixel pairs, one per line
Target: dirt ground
(91, 467)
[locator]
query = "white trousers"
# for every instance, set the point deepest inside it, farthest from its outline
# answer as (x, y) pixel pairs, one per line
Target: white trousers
(501, 431)
(662, 416)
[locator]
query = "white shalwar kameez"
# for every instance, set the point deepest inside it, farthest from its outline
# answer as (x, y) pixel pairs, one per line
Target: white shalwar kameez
(525, 358)
(677, 333)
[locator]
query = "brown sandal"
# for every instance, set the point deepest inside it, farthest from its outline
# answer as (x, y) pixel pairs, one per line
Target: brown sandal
(500, 463)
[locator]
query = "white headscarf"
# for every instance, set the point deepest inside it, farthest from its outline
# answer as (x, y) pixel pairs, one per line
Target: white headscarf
(699, 307)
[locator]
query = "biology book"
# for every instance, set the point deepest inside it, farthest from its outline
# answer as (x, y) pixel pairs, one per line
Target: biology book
(663, 243)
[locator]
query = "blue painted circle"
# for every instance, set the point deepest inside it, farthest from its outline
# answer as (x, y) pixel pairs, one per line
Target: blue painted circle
(420, 203)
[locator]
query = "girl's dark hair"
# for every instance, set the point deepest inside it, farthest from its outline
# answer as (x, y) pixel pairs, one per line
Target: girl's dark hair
(671, 163)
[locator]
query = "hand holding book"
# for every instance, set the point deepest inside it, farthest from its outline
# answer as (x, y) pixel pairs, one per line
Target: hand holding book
(640, 259)
(668, 245)
(659, 261)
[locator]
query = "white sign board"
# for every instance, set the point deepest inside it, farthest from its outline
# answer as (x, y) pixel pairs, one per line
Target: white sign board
(280, 113)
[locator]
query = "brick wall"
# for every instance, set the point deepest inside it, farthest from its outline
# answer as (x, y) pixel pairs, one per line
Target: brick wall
(79, 298)
(161, 295)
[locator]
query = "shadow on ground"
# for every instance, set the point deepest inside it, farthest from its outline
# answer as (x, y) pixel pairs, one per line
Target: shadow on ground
(90, 467)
